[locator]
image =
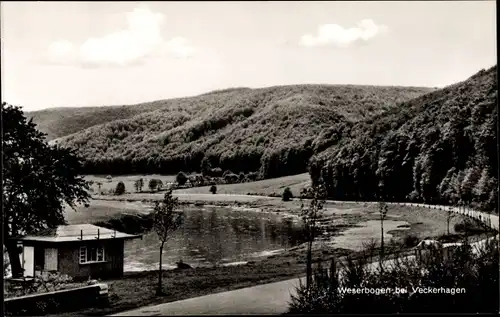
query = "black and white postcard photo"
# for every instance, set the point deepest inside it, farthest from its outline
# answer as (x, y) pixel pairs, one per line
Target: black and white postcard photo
(166, 158)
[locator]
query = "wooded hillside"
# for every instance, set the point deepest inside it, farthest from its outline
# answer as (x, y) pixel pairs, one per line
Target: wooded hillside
(438, 148)
(273, 130)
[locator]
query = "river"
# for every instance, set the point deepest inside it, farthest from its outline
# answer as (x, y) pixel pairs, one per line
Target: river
(216, 235)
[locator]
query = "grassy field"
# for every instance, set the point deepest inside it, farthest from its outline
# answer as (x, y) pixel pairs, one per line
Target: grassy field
(128, 180)
(267, 187)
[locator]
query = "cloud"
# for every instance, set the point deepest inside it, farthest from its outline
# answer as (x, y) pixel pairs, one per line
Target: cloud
(61, 51)
(179, 47)
(140, 40)
(338, 36)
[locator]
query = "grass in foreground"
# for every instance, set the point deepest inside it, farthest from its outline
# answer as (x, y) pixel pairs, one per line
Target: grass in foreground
(458, 281)
(137, 289)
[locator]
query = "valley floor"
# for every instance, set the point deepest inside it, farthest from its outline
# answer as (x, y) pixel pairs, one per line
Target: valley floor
(137, 289)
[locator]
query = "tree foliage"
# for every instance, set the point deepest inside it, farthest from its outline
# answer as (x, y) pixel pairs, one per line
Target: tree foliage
(382, 210)
(475, 274)
(437, 148)
(213, 189)
(181, 178)
(120, 188)
(153, 183)
(38, 180)
(287, 194)
(273, 131)
(166, 219)
(310, 215)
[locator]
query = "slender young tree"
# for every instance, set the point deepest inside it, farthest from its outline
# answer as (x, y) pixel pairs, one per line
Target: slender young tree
(38, 180)
(310, 214)
(152, 184)
(213, 189)
(449, 215)
(166, 219)
(181, 178)
(159, 184)
(141, 184)
(120, 188)
(382, 209)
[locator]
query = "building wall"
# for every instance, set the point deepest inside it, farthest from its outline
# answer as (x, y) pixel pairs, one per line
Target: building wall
(69, 259)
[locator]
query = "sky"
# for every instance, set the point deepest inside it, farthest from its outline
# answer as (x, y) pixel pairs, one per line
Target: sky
(73, 54)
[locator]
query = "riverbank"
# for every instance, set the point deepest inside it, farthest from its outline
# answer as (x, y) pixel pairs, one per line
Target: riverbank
(346, 225)
(337, 216)
(136, 289)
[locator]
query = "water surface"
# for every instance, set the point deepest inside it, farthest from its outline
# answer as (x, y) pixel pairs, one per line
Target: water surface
(215, 235)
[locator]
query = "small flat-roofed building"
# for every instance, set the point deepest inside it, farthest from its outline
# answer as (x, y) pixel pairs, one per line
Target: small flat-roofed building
(80, 251)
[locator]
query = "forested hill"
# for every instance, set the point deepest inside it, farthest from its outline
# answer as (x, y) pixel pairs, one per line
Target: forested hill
(437, 148)
(273, 130)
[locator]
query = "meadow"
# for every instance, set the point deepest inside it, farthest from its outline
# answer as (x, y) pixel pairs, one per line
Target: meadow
(267, 187)
(128, 181)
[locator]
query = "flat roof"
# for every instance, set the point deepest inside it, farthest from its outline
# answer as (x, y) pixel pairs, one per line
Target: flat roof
(80, 232)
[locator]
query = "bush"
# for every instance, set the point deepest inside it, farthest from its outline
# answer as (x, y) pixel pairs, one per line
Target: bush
(475, 275)
(252, 176)
(46, 282)
(230, 178)
(181, 178)
(213, 189)
(287, 194)
(470, 226)
(216, 172)
(449, 238)
(152, 184)
(227, 172)
(410, 241)
(241, 177)
(120, 188)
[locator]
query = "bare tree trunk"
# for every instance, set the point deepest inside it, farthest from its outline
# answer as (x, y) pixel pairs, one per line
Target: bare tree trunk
(309, 264)
(448, 223)
(381, 239)
(159, 290)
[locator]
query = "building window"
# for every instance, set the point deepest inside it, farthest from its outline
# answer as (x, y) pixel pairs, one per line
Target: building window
(91, 255)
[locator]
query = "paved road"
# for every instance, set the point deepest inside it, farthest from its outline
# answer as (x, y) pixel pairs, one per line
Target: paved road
(267, 299)
(270, 299)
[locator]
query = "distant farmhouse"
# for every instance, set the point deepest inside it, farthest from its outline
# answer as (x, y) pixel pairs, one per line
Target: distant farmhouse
(80, 251)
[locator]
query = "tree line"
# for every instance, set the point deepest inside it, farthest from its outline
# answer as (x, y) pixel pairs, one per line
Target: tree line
(438, 149)
(273, 131)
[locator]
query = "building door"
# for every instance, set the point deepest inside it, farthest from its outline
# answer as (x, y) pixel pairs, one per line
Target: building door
(39, 259)
(50, 259)
(28, 261)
